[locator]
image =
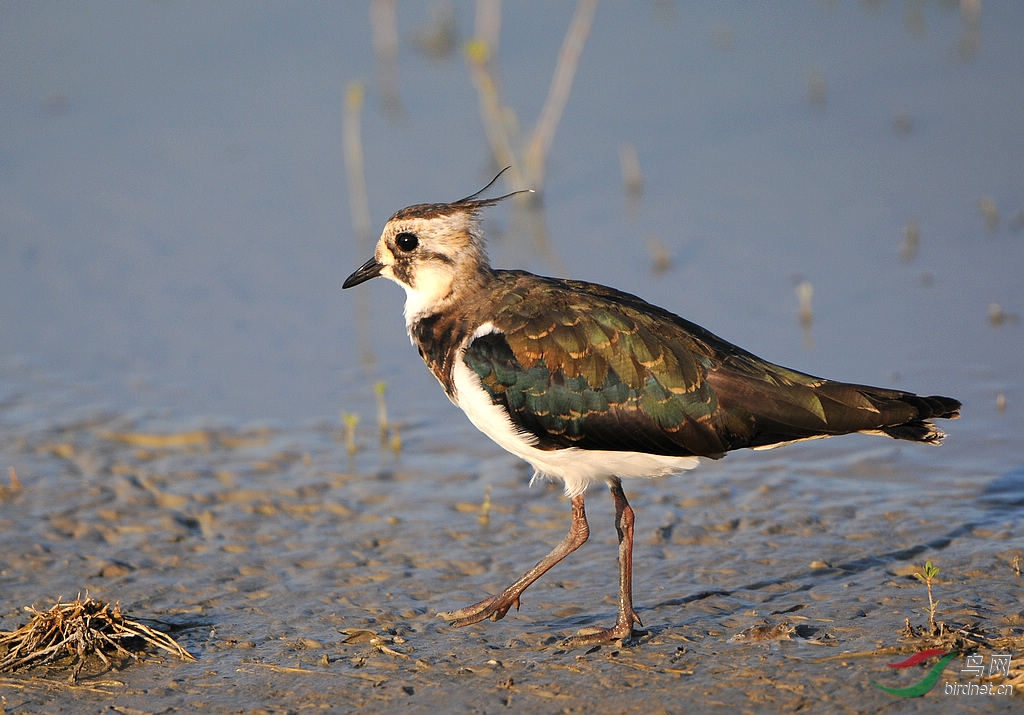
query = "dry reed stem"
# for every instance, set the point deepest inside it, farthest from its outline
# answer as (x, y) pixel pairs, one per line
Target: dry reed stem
(499, 121)
(558, 93)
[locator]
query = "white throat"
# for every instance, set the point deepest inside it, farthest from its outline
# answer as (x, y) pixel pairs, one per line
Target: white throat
(433, 288)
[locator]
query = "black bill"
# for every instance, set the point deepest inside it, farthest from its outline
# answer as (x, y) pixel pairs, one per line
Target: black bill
(370, 269)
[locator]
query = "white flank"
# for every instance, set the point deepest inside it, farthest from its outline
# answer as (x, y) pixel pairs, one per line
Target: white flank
(576, 468)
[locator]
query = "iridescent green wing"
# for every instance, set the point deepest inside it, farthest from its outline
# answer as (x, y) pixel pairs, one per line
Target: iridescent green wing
(577, 366)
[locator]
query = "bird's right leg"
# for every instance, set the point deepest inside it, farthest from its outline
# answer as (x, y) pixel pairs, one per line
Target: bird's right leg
(623, 627)
(496, 607)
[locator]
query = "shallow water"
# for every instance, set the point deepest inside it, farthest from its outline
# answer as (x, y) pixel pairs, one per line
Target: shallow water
(176, 229)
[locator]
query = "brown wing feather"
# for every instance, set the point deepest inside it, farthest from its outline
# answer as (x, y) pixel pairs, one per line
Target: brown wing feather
(589, 366)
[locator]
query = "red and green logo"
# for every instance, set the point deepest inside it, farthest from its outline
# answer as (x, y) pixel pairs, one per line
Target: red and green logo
(928, 681)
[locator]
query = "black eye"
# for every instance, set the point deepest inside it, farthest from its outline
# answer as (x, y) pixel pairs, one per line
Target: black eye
(407, 241)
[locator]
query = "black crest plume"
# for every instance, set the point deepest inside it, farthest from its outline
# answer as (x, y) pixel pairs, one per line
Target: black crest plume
(473, 202)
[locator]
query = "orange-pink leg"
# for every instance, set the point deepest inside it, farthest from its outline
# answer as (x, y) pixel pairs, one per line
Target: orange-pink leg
(627, 617)
(496, 607)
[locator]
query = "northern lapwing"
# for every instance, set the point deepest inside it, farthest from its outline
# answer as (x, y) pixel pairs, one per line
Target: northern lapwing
(593, 385)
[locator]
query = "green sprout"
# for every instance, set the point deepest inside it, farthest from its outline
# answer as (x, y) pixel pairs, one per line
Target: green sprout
(382, 410)
(484, 517)
(350, 420)
(396, 441)
(927, 578)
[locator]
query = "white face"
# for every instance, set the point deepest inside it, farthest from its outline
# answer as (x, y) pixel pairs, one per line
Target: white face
(426, 255)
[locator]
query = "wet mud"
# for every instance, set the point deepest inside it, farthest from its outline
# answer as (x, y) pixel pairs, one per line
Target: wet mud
(304, 578)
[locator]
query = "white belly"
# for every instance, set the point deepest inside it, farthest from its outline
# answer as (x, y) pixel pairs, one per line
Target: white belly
(576, 468)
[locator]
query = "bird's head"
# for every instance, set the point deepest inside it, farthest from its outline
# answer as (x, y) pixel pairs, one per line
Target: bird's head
(433, 251)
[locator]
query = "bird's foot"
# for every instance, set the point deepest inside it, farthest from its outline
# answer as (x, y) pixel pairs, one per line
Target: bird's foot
(622, 629)
(493, 608)
(589, 637)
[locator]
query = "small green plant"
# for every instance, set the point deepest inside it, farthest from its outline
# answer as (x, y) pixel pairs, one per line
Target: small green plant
(484, 517)
(395, 442)
(927, 578)
(382, 411)
(350, 420)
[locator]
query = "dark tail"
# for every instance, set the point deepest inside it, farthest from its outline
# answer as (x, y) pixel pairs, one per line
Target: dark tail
(763, 405)
(920, 429)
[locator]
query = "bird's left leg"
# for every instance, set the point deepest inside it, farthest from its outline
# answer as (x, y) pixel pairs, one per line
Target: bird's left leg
(496, 607)
(627, 617)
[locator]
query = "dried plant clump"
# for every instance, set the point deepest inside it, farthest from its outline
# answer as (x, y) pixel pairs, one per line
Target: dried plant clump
(76, 630)
(962, 638)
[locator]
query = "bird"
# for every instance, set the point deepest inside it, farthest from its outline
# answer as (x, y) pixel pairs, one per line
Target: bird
(591, 385)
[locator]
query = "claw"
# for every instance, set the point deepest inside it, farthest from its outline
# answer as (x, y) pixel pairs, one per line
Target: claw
(622, 630)
(493, 608)
(601, 637)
